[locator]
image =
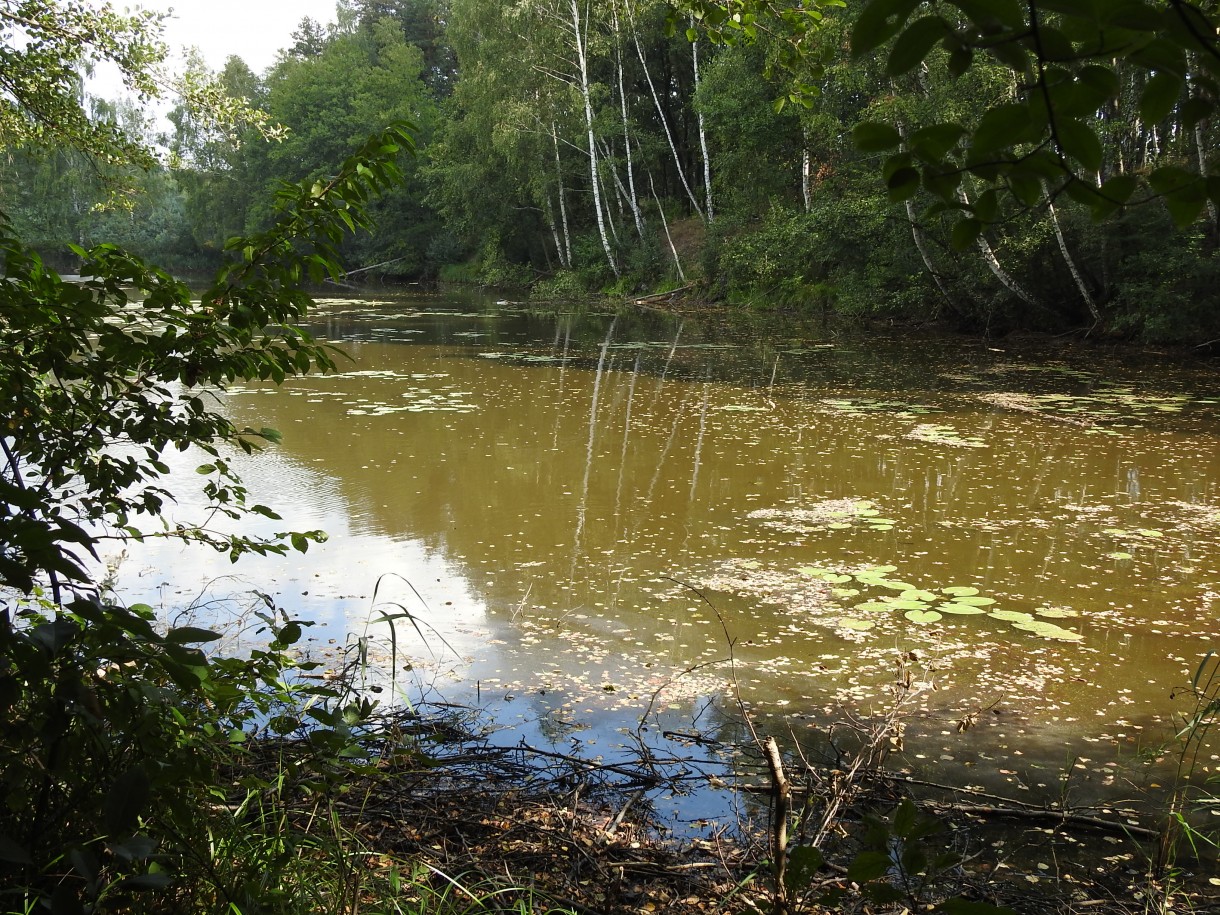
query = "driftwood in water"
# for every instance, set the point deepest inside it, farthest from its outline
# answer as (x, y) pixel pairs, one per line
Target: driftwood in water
(662, 296)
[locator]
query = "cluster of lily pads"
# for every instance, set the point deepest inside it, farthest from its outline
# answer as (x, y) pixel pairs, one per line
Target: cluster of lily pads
(831, 515)
(862, 406)
(1100, 406)
(923, 607)
(525, 357)
(939, 434)
(1142, 535)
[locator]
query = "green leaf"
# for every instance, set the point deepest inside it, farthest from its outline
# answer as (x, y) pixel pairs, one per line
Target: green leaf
(879, 21)
(1161, 55)
(904, 818)
(1196, 109)
(903, 184)
(126, 800)
(913, 45)
(873, 136)
(1159, 97)
(1186, 206)
(1101, 82)
(960, 60)
(868, 865)
(1170, 179)
(1025, 187)
(185, 635)
(986, 206)
(804, 862)
(1119, 188)
(1078, 140)
(965, 233)
(932, 143)
(1002, 127)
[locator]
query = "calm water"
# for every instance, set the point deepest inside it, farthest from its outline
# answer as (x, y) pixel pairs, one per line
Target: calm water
(586, 516)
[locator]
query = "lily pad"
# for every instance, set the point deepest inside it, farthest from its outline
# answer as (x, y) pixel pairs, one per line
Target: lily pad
(856, 625)
(960, 609)
(1118, 554)
(908, 605)
(960, 591)
(1048, 630)
(922, 617)
(1010, 616)
(917, 594)
(971, 601)
(1056, 613)
(875, 606)
(885, 583)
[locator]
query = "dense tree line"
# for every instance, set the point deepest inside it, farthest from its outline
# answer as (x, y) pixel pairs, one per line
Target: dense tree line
(631, 145)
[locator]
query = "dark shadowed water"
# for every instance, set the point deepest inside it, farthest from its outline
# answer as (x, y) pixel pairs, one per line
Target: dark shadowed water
(584, 516)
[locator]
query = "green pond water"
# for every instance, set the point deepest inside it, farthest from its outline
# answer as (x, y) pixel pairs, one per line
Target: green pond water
(586, 515)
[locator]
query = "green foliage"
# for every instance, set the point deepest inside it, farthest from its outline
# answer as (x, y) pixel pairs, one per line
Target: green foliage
(117, 740)
(120, 745)
(1070, 60)
(42, 104)
(101, 376)
(564, 286)
(1165, 282)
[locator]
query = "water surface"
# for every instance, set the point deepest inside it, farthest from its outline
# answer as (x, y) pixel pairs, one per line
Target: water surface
(587, 516)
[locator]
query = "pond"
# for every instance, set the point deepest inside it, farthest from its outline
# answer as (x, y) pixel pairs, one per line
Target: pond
(592, 525)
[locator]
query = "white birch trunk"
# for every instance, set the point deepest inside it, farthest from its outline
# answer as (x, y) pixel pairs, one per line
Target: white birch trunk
(996, 268)
(707, 160)
(922, 247)
(1201, 150)
(633, 199)
(549, 215)
(656, 100)
(566, 258)
(669, 238)
(807, 173)
(595, 179)
(1083, 288)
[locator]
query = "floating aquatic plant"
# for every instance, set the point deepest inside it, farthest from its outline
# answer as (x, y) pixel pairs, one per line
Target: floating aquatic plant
(937, 434)
(831, 515)
(862, 406)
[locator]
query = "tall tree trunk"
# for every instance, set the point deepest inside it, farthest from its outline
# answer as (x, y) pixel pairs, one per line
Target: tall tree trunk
(921, 245)
(996, 268)
(656, 100)
(566, 259)
(622, 98)
(549, 215)
(1201, 150)
(1081, 286)
(707, 160)
(606, 201)
(622, 193)
(594, 178)
(665, 225)
(807, 176)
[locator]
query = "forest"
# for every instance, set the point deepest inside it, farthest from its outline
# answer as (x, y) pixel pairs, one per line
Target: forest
(630, 148)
